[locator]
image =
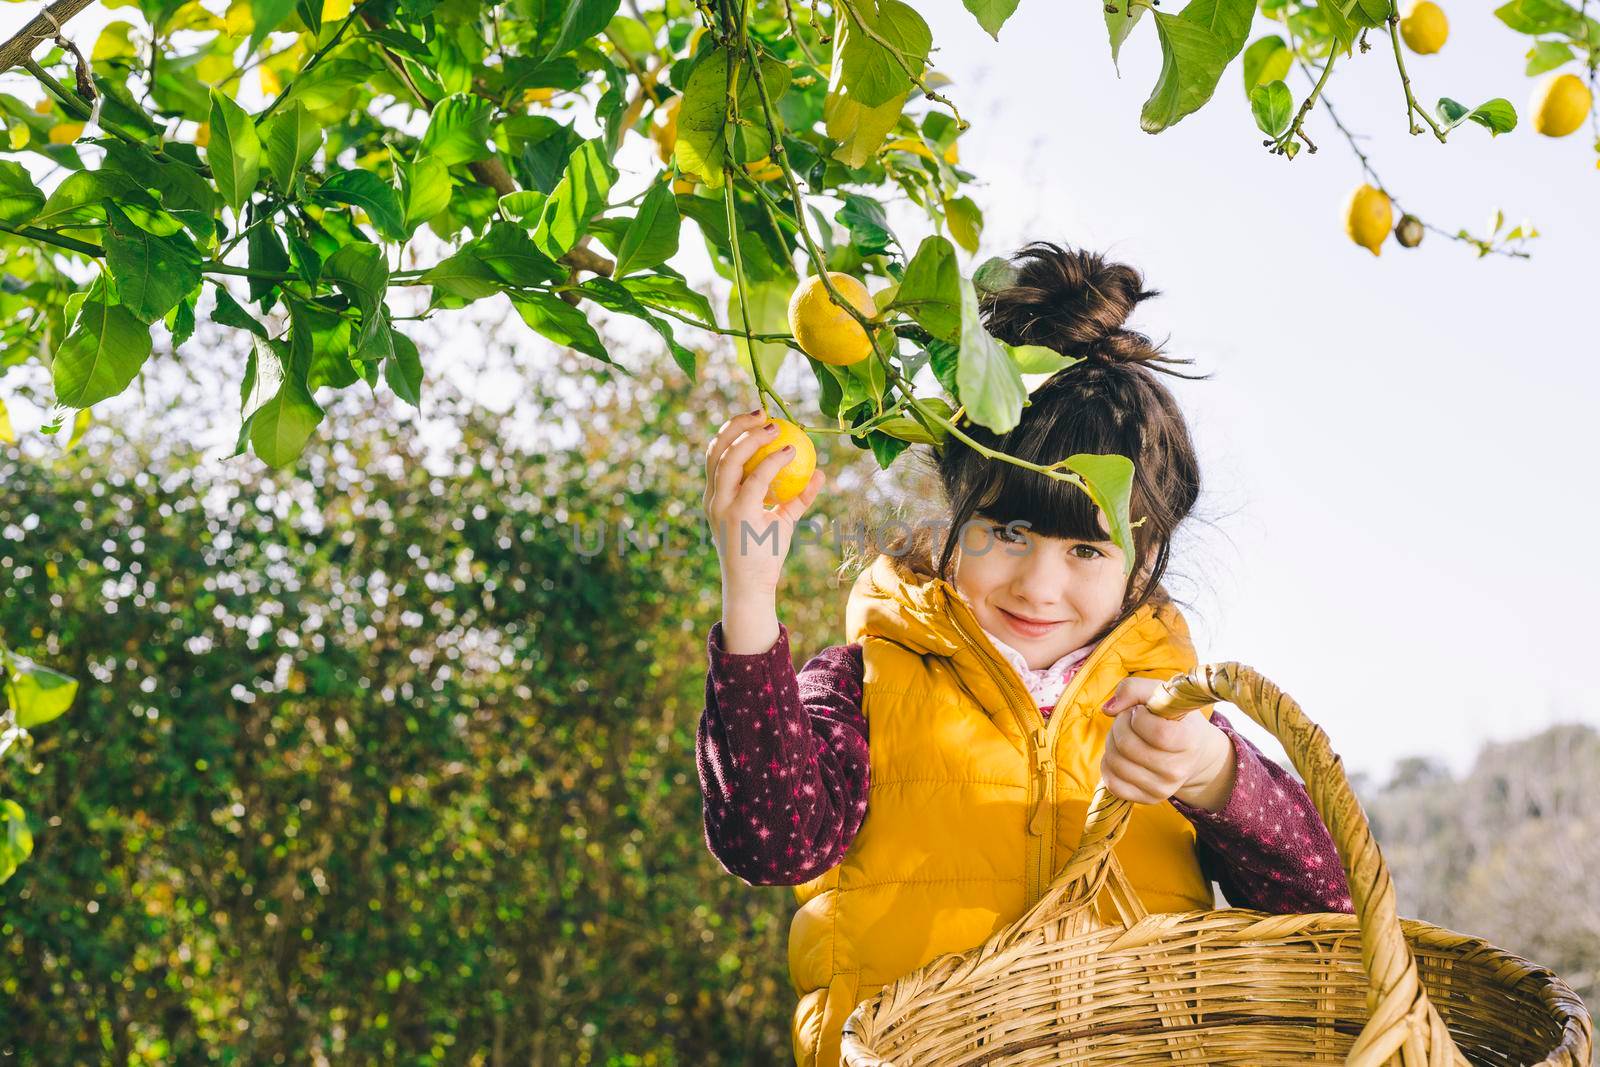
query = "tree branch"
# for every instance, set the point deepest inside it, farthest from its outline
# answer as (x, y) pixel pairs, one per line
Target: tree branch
(41, 27)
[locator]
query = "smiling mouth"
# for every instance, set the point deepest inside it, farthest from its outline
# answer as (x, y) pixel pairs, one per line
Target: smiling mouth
(1025, 621)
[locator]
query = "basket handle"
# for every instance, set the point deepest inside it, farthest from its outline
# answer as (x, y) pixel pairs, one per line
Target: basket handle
(1403, 1025)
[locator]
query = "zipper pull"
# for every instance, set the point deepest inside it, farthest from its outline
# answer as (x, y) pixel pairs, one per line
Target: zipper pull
(1044, 765)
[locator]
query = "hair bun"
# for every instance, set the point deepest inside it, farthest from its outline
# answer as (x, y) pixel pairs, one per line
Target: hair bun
(1072, 301)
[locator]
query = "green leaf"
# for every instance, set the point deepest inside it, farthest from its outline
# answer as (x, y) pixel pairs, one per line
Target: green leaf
(424, 191)
(1541, 16)
(280, 428)
(1121, 17)
(152, 273)
(1109, 481)
(562, 323)
(702, 146)
(458, 130)
(37, 694)
(1266, 60)
(988, 382)
(583, 19)
(930, 291)
(965, 220)
(524, 204)
(613, 296)
(768, 306)
(20, 199)
(994, 275)
(578, 197)
(1037, 359)
(511, 255)
(1548, 55)
(16, 840)
(367, 191)
(234, 153)
(1197, 44)
(266, 254)
(1497, 115)
(652, 238)
(859, 130)
(403, 370)
(292, 139)
(872, 70)
(463, 275)
(268, 16)
(101, 355)
(991, 14)
(1272, 105)
(868, 223)
(229, 313)
(672, 293)
(362, 275)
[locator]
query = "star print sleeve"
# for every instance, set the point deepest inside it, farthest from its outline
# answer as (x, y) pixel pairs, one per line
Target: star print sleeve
(1267, 848)
(783, 760)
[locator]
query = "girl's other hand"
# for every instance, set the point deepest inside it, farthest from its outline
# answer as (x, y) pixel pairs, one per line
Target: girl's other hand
(1149, 759)
(752, 539)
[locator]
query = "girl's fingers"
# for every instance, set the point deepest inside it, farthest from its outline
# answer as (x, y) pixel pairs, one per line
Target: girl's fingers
(730, 468)
(1138, 784)
(753, 492)
(794, 509)
(1136, 750)
(724, 437)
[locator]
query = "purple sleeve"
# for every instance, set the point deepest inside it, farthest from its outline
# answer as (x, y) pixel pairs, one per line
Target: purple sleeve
(1267, 847)
(782, 759)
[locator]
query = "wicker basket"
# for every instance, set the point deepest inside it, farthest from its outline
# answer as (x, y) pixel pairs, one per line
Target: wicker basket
(1234, 986)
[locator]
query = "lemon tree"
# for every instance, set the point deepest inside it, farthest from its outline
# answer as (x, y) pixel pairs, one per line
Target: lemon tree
(313, 175)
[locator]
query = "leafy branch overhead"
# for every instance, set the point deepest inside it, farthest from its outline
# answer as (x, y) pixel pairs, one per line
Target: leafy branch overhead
(287, 169)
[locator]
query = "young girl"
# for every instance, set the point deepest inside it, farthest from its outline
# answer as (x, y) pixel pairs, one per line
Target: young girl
(920, 785)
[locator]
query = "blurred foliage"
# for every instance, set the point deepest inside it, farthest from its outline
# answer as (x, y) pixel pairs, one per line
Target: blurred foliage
(375, 765)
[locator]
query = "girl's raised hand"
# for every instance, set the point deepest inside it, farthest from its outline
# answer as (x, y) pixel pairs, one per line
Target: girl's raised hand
(1149, 758)
(752, 539)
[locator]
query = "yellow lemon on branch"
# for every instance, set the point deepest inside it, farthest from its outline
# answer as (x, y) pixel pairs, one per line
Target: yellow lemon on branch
(793, 477)
(1368, 217)
(825, 331)
(1560, 104)
(1423, 27)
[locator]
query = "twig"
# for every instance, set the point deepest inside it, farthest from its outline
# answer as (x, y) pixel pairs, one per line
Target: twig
(1405, 81)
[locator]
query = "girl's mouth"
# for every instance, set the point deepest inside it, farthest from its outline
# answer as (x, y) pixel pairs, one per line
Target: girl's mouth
(1026, 627)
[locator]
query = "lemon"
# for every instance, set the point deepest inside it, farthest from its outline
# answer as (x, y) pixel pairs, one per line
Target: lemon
(763, 169)
(793, 476)
(686, 181)
(665, 134)
(1368, 217)
(1559, 105)
(202, 135)
(537, 96)
(1424, 27)
(825, 331)
(65, 132)
(43, 106)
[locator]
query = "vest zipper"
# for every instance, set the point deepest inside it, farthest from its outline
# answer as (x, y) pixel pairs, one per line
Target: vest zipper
(1040, 736)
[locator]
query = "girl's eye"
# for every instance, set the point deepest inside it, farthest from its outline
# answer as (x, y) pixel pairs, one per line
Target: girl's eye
(1093, 551)
(1002, 533)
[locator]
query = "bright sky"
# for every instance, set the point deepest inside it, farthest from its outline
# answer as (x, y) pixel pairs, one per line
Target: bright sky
(1397, 449)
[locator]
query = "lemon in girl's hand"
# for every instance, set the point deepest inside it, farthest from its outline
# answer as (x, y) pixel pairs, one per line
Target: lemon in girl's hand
(824, 330)
(793, 476)
(1560, 104)
(1368, 217)
(1424, 27)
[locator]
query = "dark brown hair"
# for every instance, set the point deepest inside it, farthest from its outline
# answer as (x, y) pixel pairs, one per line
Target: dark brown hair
(1076, 303)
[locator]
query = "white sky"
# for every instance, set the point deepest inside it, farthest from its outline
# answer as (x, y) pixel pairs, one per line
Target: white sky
(1397, 449)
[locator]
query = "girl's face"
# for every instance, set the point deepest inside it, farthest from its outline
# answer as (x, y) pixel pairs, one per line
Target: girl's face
(1043, 596)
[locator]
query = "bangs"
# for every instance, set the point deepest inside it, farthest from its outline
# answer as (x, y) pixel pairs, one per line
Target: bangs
(1049, 506)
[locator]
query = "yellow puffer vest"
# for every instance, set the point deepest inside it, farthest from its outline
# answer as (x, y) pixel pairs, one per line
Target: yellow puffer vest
(975, 800)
